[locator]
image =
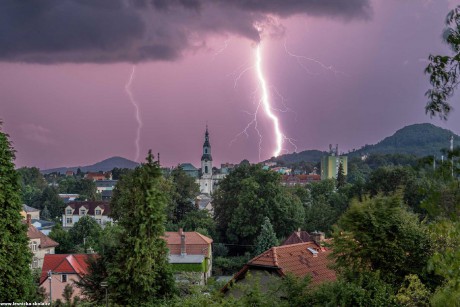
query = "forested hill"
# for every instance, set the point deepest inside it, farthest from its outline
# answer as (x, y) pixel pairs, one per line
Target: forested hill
(303, 156)
(418, 139)
(105, 165)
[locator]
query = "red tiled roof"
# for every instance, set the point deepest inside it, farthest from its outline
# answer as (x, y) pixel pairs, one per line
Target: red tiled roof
(65, 263)
(295, 259)
(45, 241)
(298, 237)
(195, 243)
(191, 237)
(90, 206)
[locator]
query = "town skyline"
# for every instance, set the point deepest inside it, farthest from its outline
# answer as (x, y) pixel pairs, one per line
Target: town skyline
(371, 84)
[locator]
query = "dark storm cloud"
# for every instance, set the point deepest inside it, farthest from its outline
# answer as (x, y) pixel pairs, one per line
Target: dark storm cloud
(105, 31)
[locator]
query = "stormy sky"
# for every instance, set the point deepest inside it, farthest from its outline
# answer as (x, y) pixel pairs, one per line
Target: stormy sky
(346, 72)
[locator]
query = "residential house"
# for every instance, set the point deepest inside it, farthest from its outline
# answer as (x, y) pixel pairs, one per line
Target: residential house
(98, 210)
(292, 180)
(68, 197)
(63, 269)
(299, 259)
(204, 202)
(98, 176)
(105, 185)
(40, 245)
(190, 252)
(44, 226)
(301, 236)
(27, 210)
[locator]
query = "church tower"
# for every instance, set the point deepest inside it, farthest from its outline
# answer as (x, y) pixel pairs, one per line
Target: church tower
(206, 158)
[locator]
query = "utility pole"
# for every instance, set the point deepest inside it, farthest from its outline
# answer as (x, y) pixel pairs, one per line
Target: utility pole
(50, 275)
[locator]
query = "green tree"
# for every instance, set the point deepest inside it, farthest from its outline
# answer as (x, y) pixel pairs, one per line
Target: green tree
(16, 281)
(446, 261)
(248, 195)
(380, 235)
(61, 236)
(413, 292)
(444, 70)
(106, 248)
(140, 273)
(32, 183)
(341, 178)
(49, 198)
(266, 239)
(185, 189)
(85, 233)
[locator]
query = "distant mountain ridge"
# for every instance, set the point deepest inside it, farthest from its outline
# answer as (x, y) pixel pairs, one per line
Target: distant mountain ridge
(104, 166)
(418, 139)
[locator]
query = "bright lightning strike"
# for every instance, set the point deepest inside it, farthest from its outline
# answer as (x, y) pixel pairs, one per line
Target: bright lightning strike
(265, 100)
(136, 108)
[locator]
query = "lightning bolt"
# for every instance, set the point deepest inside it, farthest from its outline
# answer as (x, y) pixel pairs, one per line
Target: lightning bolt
(301, 58)
(264, 103)
(136, 109)
(265, 100)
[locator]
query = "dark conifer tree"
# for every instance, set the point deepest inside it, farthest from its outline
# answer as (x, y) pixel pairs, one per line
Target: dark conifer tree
(140, 273)
(16, 281)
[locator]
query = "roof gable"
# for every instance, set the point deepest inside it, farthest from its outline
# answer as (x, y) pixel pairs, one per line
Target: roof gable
(65, 263)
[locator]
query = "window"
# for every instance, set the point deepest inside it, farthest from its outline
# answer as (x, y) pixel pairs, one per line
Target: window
(205, 150)
(206, 169)
(99, 221)
(64, 278)
(68, 220)
(68, 212)
(82, 212)
(35, 263)
(98, 212)
(34, 246)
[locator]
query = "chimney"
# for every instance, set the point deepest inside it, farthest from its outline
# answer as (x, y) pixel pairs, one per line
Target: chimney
(317, 237)
(29, 218)
(183, 250)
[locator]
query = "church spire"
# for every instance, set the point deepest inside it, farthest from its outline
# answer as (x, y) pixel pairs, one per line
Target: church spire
(206, 147)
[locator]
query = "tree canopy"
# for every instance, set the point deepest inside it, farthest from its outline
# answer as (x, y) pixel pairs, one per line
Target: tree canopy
(444, 70)
(139, 273)
(16, 282)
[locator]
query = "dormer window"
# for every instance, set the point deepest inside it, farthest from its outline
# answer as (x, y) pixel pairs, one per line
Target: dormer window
(98, 212)
(68, 212)
(34, 246)
(82, 211)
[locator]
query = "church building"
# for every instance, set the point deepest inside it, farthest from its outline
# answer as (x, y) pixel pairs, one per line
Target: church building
(208, 180)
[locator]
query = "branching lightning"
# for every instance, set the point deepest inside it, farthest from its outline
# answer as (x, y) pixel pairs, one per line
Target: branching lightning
(264, 103)
(301, 58)
(137, 113)
(265, 100)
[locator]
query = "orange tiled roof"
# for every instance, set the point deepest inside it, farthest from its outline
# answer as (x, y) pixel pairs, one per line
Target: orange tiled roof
(65, 263)
(296, 259)
(191, 237)
(195, 243)
(45, 241)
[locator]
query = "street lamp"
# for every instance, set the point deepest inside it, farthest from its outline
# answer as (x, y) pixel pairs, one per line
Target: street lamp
(105, 285)
(50, 274)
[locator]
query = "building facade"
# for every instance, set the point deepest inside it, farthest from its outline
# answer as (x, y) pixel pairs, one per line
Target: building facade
(330, 164)
(74, 211)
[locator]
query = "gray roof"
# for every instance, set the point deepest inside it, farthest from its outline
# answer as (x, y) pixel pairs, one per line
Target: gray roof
(186, 259)
(43, 223)
(29, 209)
(188, 167)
